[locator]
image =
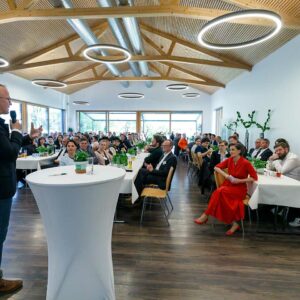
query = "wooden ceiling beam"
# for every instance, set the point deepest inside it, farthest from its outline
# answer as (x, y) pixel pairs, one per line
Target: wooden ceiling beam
(56, 45)
(26, 4)
(148, 58)
(75, 73)
(156, 69)
(12, 4)
(131, 11)
(95, 79)
(170, 65)
(222, 57)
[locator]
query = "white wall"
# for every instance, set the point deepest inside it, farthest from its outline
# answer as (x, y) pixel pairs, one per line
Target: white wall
(22, 89)
(273, 83)
(104, 96)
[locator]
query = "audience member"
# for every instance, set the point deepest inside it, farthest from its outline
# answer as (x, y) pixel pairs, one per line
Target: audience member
(265, 152)
(226, 203)
(155, 151)
(102, 154)
(68, 158)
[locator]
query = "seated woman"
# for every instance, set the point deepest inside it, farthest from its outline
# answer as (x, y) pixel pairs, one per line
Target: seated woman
(226, 203)
(102, 153)
(68, 158)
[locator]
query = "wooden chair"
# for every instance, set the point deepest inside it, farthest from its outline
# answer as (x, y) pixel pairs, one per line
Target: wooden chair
(219, 178)
(153, 192)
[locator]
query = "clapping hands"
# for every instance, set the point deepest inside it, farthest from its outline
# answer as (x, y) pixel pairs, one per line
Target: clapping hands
(35, 132)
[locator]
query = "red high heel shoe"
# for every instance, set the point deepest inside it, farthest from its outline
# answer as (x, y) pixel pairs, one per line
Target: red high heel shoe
(229, 232)
(200, 222)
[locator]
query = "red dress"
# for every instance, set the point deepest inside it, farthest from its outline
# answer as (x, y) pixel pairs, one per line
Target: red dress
(226, 203)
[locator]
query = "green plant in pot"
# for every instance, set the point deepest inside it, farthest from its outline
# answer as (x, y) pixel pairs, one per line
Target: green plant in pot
(259, 165)
(81, 161)
(42, 151)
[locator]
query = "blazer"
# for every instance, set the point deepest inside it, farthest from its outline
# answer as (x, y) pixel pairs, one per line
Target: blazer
(265, 155)
(9, 150)
(154, 157)
(215, 159)
(163, 171)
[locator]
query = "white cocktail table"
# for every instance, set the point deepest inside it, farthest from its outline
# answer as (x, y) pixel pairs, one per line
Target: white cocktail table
(78, 212)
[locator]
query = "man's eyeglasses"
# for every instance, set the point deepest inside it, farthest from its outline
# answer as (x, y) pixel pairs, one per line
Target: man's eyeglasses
(7, 98)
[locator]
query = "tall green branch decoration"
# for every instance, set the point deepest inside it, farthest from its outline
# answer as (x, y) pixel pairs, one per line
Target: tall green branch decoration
(247, 124)
(265, 126)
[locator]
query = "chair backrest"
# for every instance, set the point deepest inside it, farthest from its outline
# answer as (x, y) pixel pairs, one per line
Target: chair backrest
(200, 159)
(169, 178)
(220, 178)
(197, 159)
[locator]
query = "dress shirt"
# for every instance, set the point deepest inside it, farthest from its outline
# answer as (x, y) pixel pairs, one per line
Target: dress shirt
(162, 160)
(223, 157)
(260, 152)
(255, 152)
(289, 166)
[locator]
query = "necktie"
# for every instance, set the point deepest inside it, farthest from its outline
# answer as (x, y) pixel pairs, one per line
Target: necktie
(255, 156)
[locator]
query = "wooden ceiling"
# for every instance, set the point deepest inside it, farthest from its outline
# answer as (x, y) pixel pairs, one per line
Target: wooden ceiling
(39, 43)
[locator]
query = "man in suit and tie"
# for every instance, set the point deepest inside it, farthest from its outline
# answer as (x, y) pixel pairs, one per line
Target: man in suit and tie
(265, 152)
(159, 174)
(254, 151)
(10, 145)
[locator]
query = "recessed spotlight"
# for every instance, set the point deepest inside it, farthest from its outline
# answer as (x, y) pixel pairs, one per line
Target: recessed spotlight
(3, 63)
(191, 95)
(251, 13)
(81, 103)
(131, 96)
(99, 47)
(177, 87)
(48, 83)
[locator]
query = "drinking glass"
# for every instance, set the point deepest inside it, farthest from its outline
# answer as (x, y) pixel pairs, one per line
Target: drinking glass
(90, 167)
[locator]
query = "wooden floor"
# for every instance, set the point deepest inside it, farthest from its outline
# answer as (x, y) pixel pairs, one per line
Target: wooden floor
(183, 261)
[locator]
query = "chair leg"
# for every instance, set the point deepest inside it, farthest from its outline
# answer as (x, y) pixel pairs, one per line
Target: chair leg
(143, 209)
(243, 231)
(164, 211)
(170, 202)
(166, 205)
(249, 214)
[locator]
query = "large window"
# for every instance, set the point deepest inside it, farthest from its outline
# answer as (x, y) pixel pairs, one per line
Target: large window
(55, 120)
(189, 123)
(92, 121)
(155, 123)
(39, 116)
(122, 122)
(218, 118)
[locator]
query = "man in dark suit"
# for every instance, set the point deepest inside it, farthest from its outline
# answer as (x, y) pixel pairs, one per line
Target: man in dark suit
(265, 152)
(218, 156)
(254, 151)
(155, 151)
(159, 174)
(9, 150)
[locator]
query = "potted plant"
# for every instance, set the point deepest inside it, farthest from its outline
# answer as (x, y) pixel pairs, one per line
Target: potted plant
(81, 161)
(246, 124)
(42, 151)
(264, 127)
(259, 165)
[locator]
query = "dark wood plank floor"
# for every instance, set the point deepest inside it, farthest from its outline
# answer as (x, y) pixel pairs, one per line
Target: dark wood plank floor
(183, 261)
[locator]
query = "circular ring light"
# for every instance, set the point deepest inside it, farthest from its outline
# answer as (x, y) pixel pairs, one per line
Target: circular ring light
(177, 87)
(251, 13)
(81, 103)
(100, 47)
(191, 95)
(3, 63)
(48, 83)
(131, 96)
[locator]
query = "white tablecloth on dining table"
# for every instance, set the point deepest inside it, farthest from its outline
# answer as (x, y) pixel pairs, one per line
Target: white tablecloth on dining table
(34, 162)
(271, 190)
(128, 186)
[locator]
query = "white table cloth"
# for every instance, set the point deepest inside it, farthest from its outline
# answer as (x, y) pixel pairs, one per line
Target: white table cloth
(128, 186)
(271, 190)
(34, 163)
(78, 212)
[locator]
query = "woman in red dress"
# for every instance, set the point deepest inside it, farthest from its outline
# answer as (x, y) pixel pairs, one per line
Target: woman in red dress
(226, 203)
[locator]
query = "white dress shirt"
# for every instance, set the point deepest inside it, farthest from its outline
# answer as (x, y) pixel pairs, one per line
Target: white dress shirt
(289, 166)
(162, 160)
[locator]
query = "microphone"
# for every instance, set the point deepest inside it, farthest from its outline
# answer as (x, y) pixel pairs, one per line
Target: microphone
(13, 116)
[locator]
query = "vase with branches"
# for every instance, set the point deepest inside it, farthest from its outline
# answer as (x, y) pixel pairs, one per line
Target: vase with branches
(246, 124)
(265, 126)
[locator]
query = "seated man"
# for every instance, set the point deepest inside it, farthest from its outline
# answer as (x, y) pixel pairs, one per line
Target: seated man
(256, 150)
(265, 152)
(288, 164)
(155, 151)
(159, 174)
(218, 156)
(86, 147)
(203, 149)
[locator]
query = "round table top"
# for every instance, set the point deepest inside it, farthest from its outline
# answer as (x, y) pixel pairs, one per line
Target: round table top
(66, 176)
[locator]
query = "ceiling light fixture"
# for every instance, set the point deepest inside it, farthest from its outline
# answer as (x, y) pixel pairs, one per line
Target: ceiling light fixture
(177, 87)
(3, 63)
(99, 47)
(251, 13)
(49, 83)
(131, 96)
(81, 103)
(191, 95)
